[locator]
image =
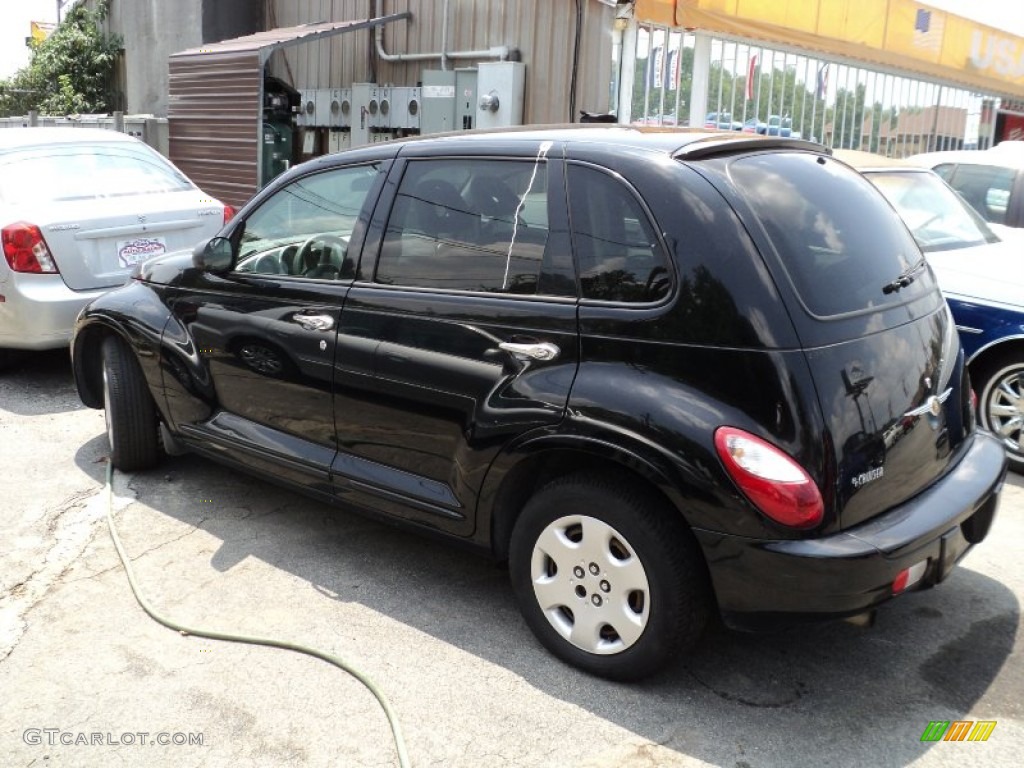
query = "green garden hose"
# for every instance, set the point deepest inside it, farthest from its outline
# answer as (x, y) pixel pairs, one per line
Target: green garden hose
(396, 729)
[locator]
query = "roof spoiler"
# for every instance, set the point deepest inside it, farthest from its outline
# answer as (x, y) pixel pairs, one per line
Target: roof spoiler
(720, 145)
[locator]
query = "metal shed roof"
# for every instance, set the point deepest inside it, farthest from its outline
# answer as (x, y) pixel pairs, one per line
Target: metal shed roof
(215, 106)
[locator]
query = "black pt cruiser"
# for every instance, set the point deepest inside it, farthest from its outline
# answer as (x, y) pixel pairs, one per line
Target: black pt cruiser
(663, 374)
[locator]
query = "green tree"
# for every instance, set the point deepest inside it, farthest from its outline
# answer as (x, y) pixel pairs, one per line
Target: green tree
(70, 72)
(847, 117)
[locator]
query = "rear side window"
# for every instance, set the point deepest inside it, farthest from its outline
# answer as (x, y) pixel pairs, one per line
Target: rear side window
(617, 248)
(472, 225)
(986, 188)
(945, 171)
(839, 240)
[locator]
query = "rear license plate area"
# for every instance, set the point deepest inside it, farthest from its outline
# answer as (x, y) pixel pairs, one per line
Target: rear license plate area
(131, 252)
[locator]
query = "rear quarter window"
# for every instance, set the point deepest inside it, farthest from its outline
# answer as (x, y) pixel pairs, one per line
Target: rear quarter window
(986, 188)
(838, 239)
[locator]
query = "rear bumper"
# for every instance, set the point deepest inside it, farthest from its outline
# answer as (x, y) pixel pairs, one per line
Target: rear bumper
(760, 584)
(39, 311)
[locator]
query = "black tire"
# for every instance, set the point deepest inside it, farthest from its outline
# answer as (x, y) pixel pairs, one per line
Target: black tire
(624, 522)
(998, 411)
(129, 409)
(8, 358)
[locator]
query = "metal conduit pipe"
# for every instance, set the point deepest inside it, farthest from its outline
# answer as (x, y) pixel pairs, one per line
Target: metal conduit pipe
(500, 52)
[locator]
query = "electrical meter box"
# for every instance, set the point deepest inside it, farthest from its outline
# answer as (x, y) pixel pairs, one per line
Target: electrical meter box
(405, 109)
(448, 100)
(322, 118)
(365, 113)
(340, 108)
(307, 108)
(338, 141)
(383, 94)
(501, 86)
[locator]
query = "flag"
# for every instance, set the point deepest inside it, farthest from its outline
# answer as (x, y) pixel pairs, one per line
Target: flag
(673, 68)
(928, 29)
(654, 62)
(750, 77)
(822, 81)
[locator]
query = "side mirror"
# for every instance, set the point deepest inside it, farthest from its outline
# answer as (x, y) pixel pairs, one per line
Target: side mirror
(214, 255)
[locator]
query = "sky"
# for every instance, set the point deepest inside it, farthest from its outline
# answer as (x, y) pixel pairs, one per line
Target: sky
(15, 16)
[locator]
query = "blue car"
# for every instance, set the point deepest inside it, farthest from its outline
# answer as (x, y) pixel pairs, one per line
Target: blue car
(982, 278)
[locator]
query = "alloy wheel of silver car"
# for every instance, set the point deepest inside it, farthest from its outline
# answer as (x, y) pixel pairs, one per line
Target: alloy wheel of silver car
(590, 584)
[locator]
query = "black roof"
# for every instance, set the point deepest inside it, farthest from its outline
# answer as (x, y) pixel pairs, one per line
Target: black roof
(678, 142)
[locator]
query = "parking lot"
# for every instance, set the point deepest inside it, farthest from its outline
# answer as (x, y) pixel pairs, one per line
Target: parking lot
(434, 626)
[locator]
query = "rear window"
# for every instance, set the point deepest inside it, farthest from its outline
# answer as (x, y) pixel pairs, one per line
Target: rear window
(839, 241)
(86, 172)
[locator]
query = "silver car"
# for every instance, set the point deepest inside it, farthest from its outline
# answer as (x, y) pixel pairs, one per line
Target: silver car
(79, 208)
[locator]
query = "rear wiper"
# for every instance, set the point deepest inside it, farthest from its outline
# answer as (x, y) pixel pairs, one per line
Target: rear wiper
(905, 278)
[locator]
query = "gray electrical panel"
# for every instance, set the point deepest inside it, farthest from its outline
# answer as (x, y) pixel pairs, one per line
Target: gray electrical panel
(448, 100)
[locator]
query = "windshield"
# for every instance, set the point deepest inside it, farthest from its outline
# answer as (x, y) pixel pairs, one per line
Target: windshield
(937, 217)
(86, 172)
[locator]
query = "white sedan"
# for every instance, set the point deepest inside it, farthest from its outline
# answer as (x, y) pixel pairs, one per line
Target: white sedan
(79, 208)
(982, 278)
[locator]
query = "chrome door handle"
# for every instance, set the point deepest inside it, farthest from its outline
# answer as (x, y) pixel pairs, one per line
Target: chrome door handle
(314, 322)
(544, 350)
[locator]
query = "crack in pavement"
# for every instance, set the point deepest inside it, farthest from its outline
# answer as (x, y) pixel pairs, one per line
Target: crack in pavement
(135, 558)
(71, 531)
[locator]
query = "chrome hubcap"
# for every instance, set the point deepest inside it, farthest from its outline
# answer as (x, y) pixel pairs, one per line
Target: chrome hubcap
(1006, 411)
(590, 584)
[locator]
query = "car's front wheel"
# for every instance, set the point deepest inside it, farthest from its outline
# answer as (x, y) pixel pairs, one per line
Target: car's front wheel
(1001, 405)
(129, 409)
(608, 578)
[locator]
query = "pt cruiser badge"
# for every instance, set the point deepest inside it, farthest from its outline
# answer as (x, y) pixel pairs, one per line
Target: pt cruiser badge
(866, 477)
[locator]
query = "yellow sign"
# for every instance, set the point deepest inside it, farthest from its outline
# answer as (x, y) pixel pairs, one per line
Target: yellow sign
(41, 30)
(901, 34)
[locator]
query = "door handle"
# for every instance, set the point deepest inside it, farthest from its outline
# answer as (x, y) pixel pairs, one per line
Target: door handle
(314, 322)
(544, 350)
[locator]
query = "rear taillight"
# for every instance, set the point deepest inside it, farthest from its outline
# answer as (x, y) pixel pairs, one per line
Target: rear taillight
(771, 479)
(26, 250)
(908, 577)
(229, 213)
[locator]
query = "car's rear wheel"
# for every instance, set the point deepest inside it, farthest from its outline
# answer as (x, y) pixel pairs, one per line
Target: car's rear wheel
(1001, 405)
(8, 357)
(129, 409)
(608, 578)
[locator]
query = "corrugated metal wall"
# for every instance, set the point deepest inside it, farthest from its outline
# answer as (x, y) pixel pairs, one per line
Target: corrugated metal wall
(542, 30)
(215, 114)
